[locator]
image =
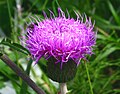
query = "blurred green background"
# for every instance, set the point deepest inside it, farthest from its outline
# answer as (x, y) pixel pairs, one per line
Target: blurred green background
(103, 66)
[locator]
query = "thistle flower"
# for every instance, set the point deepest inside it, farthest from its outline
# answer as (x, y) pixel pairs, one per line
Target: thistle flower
(61, 37)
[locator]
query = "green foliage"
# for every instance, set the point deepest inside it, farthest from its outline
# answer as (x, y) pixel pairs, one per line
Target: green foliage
(14, 46)
(103, 67)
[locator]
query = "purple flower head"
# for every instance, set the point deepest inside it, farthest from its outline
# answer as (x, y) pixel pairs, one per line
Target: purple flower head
(61, 37)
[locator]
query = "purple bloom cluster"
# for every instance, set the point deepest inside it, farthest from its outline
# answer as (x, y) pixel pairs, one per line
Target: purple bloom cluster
(61, 37)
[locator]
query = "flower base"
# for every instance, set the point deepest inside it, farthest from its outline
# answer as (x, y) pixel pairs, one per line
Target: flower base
(61, 74)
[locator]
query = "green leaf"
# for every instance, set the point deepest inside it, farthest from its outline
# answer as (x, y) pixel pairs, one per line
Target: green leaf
(115, 15)
(1, 84)
(15, 46)
(108, 50)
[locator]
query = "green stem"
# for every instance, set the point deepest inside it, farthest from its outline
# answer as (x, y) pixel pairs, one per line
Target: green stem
(57, 3)
(9, 12)
(91, 89)
(24, 85)
(44, 5)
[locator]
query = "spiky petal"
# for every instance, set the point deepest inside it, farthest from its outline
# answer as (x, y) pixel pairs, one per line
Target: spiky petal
(61, 37)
